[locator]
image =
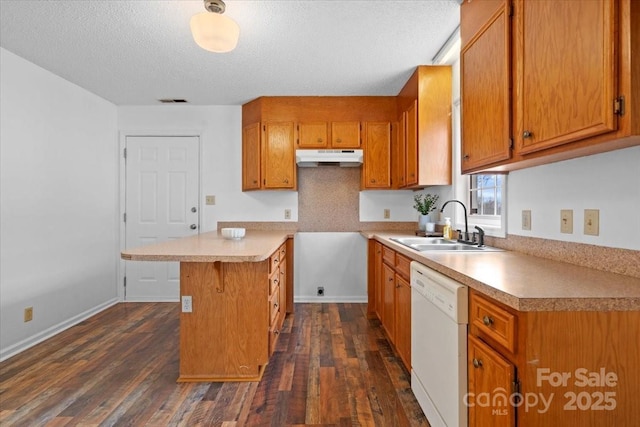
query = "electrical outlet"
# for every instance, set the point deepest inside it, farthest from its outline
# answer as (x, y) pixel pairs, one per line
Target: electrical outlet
(210, 200)
(387, 213)
(287, 214)
(187, 304)
(592, 222)
(526, 220)
(28, 314)
(320, 291)
(566, 221)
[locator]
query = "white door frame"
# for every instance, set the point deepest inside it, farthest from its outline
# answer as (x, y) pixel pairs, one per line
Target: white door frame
(122, 136)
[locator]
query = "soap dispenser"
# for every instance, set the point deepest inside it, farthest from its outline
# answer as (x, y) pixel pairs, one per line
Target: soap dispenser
(446, 231)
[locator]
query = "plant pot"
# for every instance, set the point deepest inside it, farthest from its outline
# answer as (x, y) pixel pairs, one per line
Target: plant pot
(423, 220)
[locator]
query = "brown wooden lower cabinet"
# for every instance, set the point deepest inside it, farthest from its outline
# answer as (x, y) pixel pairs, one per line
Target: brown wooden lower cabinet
(552, 368)
(238, 311)
(392, 297)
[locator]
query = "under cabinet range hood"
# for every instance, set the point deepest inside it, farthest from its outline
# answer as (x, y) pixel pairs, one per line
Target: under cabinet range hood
(343, 158)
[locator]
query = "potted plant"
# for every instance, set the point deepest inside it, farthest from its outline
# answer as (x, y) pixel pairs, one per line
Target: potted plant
(425, 204)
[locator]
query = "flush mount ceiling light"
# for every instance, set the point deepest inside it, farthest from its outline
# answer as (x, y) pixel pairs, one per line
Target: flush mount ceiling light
(212, 31)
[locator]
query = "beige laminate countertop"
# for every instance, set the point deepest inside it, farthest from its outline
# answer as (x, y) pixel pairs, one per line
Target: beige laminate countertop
(211, 247)
(529, 283)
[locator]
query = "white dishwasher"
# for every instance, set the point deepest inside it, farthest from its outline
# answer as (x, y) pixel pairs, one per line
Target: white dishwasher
(439, 319)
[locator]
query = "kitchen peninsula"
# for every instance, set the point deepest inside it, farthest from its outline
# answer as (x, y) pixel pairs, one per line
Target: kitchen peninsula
(241, 291)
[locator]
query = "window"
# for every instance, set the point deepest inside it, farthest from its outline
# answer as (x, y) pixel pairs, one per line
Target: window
(485, 195)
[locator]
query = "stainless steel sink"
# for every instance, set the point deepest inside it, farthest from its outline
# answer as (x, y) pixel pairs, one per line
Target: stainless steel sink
(427, 244)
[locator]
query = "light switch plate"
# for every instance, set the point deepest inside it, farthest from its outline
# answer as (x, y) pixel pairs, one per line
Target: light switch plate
(526, 220)
(387, 213)
(592, 222)
(566, 221)
(287, 214)
(210, 200)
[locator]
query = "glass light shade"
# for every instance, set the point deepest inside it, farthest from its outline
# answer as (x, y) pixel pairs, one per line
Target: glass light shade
(214, 32)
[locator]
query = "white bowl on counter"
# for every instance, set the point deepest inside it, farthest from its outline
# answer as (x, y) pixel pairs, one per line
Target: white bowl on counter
(233, 233)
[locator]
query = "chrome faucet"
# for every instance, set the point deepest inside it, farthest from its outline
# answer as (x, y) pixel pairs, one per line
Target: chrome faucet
(466, 227)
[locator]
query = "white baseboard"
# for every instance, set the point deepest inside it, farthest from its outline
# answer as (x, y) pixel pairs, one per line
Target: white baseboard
(152, 299)
(316, 299)
(54, 330)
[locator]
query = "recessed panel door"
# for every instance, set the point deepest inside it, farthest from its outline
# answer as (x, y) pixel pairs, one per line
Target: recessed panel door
(162, 176)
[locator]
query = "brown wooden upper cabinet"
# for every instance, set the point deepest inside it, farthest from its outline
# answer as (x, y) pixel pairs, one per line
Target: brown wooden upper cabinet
(485, 71)
(268, 156)
(334, 135)
(345, 134)
(544, 81)
(424, 115)
(313, 135)
(376, 173)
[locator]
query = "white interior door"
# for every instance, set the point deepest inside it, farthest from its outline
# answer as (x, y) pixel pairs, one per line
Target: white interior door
(162, 174)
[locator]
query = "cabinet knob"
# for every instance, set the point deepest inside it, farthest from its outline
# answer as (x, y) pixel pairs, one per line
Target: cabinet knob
(286, 181)
(339, 140)
(465, 157)
(255, 182)
(373, 181)
(391, 279)
(477, 363)
(319, 139)
(527, 134)
(488, 321)
(275, 305)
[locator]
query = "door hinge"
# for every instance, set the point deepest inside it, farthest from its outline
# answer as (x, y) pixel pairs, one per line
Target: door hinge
(124, 217)
(618, 106)
(125, 153)
(515, 390)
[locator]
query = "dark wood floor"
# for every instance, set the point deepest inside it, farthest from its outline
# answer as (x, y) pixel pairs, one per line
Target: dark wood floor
(332, 366)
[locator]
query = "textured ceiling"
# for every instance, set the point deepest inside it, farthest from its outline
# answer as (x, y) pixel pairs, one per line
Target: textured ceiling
(133, 52)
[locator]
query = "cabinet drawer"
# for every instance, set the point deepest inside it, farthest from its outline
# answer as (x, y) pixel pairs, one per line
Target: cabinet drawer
(389, 256)
(403, 266)
(493, 321)
(274, 306)
(274, 281)
(274, 261)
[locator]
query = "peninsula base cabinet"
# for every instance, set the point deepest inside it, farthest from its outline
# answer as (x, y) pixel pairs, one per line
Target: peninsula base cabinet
(552, 368)
(238, 309)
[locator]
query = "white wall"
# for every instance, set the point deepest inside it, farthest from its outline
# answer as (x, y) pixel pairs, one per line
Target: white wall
(609, 182)
(58, 185)
(220, 129)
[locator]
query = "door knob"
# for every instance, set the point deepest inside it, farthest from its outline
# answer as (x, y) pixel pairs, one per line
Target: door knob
(193, 226)
(193, 209)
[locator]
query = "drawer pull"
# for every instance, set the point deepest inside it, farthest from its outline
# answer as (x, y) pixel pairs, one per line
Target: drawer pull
(275, 281)
(488, 321)
(275, 305)
(477, 363)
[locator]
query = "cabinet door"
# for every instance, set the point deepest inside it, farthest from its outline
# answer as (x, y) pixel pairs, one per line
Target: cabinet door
(251, 157)
(377, 155)
(278, 156)
(411, 144)
(283, 287)
(313, 135)
(399, 157)
(485, 86)
(403, 320)
(568, 81)
(378, 279)
(388, 301)
(491, 375)
(345, 134)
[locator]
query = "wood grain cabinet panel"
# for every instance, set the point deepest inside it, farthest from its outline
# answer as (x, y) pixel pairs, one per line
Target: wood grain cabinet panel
(485, 69)
(490, 374)
(313, 134)
(345, 135)
(389, 301)
(424, 105)
(278, 156)
(251, 177)
(403, 320)
(567, 63)
(376, 172)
